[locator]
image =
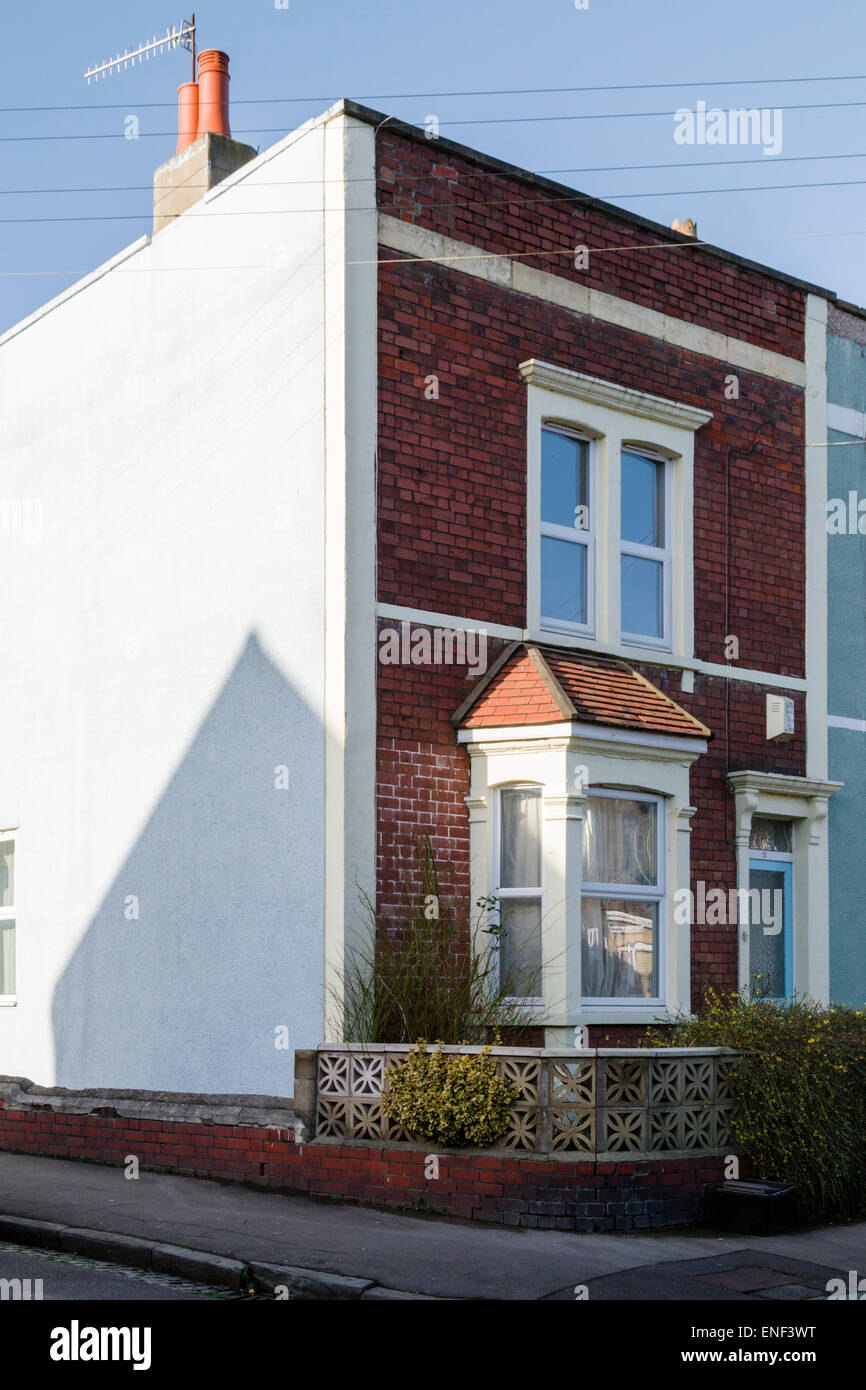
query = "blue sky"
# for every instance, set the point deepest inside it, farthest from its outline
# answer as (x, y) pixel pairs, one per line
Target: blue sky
(318, 50)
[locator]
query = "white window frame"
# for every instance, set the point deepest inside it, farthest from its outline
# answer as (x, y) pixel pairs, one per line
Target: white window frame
(663, 555)
(496, 866)
(574, 535)
(613, 417)
(10, 914)
(638, 893)
(804, 801)
(556, 757)
(776, 856)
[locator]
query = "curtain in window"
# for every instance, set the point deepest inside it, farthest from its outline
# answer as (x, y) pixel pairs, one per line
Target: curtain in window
(520, 946)
(619, 841)
(618, 948)
(520, 853)
(520, 956)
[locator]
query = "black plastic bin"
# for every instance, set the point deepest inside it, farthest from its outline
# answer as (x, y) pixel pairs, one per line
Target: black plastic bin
(752, 1208)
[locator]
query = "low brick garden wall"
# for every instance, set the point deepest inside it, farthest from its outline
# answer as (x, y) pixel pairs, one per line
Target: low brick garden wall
(566, 1186)
(546, 1194)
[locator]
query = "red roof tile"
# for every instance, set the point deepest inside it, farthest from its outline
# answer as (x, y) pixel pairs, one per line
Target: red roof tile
(548, 686)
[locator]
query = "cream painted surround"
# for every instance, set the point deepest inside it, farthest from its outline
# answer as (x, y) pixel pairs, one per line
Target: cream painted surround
(550, 756)
(614, 417)
(803, 801)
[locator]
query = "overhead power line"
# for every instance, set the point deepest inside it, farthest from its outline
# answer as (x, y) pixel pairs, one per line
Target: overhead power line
(473, 121)
(568, 250)
(425, 205)
(413, 178)
(480, 92)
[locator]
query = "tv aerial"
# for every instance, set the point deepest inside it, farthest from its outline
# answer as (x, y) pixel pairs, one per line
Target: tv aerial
(177, 36)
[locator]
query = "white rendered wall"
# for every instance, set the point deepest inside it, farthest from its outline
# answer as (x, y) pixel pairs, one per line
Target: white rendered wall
(162, 642)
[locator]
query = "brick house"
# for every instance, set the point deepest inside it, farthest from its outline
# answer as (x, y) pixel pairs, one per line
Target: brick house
(610, 473)
(373, 394)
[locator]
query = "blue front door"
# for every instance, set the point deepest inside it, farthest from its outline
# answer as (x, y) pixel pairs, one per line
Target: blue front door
(771, 965)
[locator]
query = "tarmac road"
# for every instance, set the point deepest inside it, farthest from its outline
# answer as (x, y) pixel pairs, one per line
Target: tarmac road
(79, 1279)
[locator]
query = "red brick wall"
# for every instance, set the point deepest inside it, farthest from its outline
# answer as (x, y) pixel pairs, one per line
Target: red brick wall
(505, 216)
(561, 1194)
(452, 471)
(452, 488)
(422, 777)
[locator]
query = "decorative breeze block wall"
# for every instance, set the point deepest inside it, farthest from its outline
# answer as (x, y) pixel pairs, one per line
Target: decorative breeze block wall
(609, 1102)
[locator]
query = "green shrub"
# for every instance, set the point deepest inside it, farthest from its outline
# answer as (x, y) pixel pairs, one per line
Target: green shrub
(454, 1099)
(799, 1093)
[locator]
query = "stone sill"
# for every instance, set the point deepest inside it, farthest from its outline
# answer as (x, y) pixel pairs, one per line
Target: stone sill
(518, 1155)
(568, 1053)
(179, 1107)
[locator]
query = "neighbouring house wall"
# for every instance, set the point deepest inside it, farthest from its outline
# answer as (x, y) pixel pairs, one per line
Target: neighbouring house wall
(846, 563)
(453, 487)
(163, 643)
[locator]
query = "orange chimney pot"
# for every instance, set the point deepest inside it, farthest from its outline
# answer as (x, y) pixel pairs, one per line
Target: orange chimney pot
(213, 100)
(187, 115)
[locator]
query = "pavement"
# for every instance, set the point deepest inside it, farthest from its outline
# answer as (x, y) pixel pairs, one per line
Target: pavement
(298, 1246)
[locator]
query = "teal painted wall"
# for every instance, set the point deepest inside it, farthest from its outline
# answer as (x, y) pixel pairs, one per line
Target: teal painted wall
(846, 562)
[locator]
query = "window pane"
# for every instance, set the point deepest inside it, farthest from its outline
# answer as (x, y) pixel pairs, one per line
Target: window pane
(563, 478)
(7, 957)
(641, 506)
(563, 580)
(7, 873)
(520, 838)
(766, 934)
(520, 947)
(619, 841)
(619, 949)
(772, 835)
(642, 596)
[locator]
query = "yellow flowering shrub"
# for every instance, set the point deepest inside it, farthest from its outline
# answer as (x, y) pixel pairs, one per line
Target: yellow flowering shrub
(451, 1098)
(799, 1093)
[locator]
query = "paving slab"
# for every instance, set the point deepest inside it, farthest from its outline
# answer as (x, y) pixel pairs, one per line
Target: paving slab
(732, 1276)
(431, 1256)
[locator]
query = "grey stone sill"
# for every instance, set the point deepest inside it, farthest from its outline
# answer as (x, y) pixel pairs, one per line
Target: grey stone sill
(429, 1146)
(531, 1052)
(268, 1112)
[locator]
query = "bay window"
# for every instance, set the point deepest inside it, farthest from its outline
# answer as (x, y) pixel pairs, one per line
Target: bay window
(518, 890)
(621, 897)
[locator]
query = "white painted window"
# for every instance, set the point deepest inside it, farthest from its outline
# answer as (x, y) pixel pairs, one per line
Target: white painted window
(7, 917)
(518, 888)
(622, 897)
(645, 549)
(568, 532)
(620, 464)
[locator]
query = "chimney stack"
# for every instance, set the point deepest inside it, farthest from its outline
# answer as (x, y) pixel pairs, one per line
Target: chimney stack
(206, 153)
(687, 228)
(213, 89)
(187, 116)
